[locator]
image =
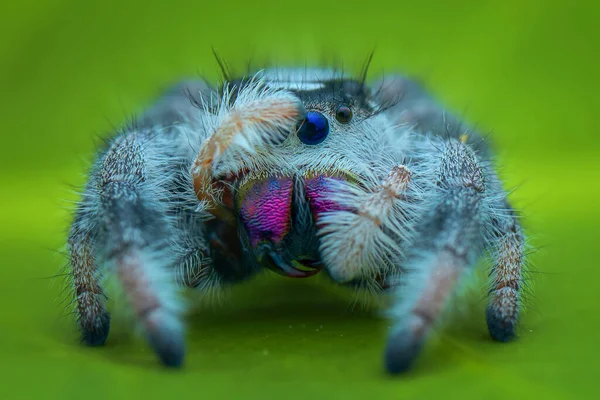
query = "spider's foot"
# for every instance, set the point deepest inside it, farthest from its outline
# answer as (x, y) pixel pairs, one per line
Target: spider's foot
(96, 332)
(170, 353)
(402, 349)
(501, 329)
(168, 344)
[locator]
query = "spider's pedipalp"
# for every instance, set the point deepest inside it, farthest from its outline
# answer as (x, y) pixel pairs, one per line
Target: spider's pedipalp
(361, 239)
(258, 117)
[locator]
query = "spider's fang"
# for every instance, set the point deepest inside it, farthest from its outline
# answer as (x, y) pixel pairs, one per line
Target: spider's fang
(282, 267)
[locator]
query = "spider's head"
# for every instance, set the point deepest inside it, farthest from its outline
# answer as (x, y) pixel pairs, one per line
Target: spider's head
(284, 185)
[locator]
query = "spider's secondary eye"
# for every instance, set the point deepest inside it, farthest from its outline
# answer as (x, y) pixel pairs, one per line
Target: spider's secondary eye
(314, 129)
(343, 114)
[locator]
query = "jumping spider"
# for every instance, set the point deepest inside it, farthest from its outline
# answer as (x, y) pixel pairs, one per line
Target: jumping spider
(297, 171)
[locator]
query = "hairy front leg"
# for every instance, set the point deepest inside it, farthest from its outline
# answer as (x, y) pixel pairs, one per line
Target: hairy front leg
(124, 224)
(128, 200)
(450, 238)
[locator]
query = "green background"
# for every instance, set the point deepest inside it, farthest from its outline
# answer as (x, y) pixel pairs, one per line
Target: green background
(526, 70)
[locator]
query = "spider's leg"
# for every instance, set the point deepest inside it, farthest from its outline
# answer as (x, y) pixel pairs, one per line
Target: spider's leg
(126, 223)
(133, 240)
(450, 238)
(507, 243)
(123, 227)
(92, 318)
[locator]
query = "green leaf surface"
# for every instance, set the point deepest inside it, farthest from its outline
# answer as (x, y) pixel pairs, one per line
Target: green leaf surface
(527, 71)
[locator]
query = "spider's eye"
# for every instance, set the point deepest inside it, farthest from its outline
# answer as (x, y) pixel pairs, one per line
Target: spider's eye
(343, 114)
(314, 129)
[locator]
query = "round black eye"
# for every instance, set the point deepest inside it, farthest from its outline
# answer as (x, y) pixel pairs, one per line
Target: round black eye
(343, 114)
(314, 129)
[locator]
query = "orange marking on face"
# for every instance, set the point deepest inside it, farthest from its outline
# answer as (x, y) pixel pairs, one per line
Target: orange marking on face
(258, 112)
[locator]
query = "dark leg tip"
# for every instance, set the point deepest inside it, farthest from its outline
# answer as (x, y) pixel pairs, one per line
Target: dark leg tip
(169, 348)
(500, 330)
(401, 351)
(172, 358)
(96, 334)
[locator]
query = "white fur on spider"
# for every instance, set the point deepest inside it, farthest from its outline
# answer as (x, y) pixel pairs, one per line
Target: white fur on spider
(260, 116)
(156, 241)
(351, 240)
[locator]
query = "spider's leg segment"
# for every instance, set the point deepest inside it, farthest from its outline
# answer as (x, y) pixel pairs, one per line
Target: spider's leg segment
(507, 246)
(361, 239)
(411, 104)
(92, 317)
(450, 238)
(257, 117)
(133, 238)
(136, 221)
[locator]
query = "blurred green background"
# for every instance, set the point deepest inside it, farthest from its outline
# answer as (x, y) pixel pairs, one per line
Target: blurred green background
(526, 70)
